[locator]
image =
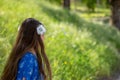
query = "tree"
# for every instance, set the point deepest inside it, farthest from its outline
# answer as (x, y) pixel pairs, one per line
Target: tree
(115, 9)
(66, 4)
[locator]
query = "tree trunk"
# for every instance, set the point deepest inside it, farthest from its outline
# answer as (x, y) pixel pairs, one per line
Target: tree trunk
(66, 4)
(115, 8)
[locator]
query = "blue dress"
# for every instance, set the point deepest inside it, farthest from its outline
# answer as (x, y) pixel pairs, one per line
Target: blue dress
(28, 68)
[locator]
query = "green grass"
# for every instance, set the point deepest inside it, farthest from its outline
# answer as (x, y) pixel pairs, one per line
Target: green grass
(77, 49)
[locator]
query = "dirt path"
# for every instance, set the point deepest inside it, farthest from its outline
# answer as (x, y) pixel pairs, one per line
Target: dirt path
(118, 78)
(113, 77)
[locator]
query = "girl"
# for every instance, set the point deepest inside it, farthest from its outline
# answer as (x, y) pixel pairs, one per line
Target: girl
(28, 56)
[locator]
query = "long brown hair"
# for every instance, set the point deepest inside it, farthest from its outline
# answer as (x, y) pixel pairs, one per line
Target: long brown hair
(27, 38)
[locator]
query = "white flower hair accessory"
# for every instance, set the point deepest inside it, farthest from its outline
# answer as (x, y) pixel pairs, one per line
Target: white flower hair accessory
(41, 30)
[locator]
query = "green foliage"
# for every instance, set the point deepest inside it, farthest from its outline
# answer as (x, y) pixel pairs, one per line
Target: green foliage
(91, 4)
(77, 49)
(56, 1)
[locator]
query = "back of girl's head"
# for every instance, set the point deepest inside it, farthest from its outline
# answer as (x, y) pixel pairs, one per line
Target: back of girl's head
(27, 38)
(27, 32)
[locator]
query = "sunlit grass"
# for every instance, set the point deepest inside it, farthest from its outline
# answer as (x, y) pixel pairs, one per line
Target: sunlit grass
(77, 49)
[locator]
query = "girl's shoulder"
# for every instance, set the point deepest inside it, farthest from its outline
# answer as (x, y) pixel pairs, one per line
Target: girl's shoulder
(28, 56)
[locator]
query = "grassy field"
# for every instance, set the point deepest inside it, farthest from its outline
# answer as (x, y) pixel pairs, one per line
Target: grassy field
(77, 49)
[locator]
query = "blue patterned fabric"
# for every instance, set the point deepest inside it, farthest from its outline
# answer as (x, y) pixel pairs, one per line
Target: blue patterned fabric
(28, 68)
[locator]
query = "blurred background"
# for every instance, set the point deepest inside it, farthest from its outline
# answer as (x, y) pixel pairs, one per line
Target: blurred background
(82, 39)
